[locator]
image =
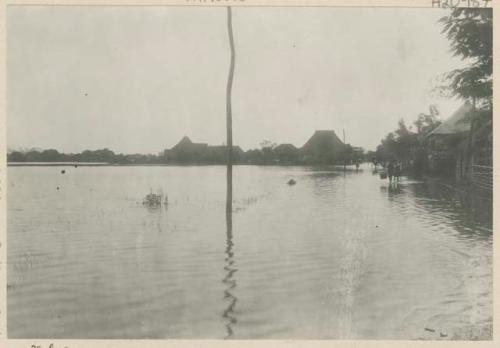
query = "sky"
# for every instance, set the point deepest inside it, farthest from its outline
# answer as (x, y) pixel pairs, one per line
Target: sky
(137, 79)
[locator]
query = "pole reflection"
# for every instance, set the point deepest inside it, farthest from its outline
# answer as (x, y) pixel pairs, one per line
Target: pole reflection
(229, 280)
(229, 263)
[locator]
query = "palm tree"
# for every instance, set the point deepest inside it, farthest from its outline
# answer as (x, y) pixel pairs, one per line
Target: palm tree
(229, 118)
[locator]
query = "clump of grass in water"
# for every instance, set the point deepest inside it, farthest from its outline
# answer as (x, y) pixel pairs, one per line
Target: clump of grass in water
(155, 199)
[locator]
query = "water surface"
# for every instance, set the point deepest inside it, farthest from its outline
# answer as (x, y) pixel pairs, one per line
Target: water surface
(333, 257)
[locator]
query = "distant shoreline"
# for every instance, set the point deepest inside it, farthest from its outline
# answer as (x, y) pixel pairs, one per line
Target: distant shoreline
(56, 164)
(88, 164)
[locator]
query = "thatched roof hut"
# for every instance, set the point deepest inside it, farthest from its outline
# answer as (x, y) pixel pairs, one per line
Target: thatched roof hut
(457, 123)
(324, 146)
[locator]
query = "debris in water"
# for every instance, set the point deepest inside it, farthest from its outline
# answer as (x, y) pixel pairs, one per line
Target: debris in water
(442, 334)
(58, 187)
(63, 171)
(76, 166)
(155, 200)
(291, 182)
(430, 330)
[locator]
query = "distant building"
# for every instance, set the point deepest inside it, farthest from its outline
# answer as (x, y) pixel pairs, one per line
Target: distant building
(357, 153)
(450, 143)
(323, 147)
(185, 151)
(446, 144)
(457, 123)
(286, 153)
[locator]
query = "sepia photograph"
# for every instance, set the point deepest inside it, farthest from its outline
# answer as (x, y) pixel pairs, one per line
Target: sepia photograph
(249, 172)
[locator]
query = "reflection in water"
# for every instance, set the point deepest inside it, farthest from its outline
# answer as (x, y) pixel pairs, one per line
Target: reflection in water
(229, 279)
(469, 211)
(229, 268)
(158, 212)
(394, 189)
(391, 190)
(156, 209)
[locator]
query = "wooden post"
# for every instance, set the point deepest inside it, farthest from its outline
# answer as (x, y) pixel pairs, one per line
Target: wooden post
(229, 118)
(470, 146)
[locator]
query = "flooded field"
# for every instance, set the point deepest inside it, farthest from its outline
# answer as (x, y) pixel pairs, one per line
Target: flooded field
(336, 256)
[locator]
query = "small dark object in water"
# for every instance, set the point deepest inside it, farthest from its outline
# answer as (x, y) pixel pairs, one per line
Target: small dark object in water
(430, 330)
(76, 166)
(442, 335)
(58, 187)
(376, 226)
(291, 182)
(155, 200)
(63, 171)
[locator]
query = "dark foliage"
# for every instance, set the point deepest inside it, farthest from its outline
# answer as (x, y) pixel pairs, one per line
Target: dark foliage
(87, 156)
(470, 32)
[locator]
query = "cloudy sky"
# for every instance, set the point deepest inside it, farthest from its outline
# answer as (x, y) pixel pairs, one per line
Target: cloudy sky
(137, 79)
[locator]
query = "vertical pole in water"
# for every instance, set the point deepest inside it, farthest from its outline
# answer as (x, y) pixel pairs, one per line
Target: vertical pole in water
(229, 118)
(229, 311)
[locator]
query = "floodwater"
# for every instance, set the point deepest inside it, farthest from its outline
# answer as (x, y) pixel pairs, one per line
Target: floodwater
(336, 256)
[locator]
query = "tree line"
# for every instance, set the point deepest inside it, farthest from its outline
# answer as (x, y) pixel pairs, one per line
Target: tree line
(87, 156)
(406, 144)
(269, 153)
